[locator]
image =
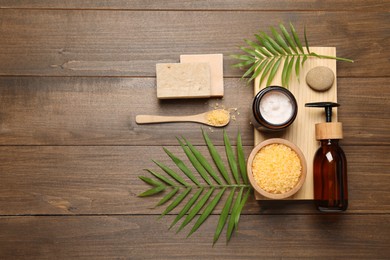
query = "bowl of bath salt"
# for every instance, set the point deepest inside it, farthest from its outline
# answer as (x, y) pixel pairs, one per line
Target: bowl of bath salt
(276, 168)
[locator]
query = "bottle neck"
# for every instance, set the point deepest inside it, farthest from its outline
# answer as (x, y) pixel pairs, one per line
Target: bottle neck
(329, 141)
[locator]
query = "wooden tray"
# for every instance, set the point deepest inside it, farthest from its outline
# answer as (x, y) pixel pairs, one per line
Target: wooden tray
(301, 132)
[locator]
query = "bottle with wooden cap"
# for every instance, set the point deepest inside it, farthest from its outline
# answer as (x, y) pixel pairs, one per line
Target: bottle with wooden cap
(330, 164)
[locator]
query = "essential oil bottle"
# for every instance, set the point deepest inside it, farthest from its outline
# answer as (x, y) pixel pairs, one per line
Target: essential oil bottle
(330, 164)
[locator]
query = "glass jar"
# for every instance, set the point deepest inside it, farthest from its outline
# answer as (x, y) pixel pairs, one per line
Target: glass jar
(274, 108)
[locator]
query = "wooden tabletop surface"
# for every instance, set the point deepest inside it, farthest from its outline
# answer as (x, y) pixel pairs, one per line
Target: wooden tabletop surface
(73, 76)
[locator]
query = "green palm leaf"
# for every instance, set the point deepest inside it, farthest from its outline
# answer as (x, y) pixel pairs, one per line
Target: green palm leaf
(297, 67)
(241, 159)
(168, 196)
(216, 157)
(273, 71)
(172, 173)
(197, 165)
(289, 70)
(249, 51)
(182, 167)
(284, 71)
(288, 38)
(197, 202)
(161, 177)
(274, 44)
(266, 70)
(177, 201)
(306, 41)
(224, 216)
(204, 162)
(244, 57)
(243, 64)
(265, 56)
(264, 52)
(231, 222)
(150, 181)
(252, 44)
(252, 52)
(197, 207)
(230, 156)
(280, 40)
(207, 211)
(251, 69)
(187, 207)
(304, 59)
(258, 70)
(296, 38)
(152, 191)
(236, 213)
(267, 45)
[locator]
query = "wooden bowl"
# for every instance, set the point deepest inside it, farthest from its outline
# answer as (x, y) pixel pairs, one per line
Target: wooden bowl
(297, 186)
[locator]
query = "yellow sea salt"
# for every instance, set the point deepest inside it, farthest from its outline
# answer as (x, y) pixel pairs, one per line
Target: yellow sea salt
(276, 168)
(218, 117)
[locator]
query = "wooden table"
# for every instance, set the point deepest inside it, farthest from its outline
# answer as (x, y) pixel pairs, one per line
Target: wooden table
(73, 76)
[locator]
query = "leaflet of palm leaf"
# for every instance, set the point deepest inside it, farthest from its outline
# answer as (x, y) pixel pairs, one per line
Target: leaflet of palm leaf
(200, 188)
(264, 57)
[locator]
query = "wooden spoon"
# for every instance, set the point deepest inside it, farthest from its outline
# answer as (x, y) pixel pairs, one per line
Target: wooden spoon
(199, 118)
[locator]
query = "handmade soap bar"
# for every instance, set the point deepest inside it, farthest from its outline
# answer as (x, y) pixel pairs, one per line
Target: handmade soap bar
(183, 80)
(216, 70)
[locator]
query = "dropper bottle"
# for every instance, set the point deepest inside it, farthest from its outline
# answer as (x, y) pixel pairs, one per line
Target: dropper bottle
(330, 164)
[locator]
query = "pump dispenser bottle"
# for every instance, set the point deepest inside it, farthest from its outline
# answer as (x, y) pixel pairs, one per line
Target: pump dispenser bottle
(330, 164)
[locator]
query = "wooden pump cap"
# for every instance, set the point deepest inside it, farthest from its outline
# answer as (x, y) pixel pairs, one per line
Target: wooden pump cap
(329, 130)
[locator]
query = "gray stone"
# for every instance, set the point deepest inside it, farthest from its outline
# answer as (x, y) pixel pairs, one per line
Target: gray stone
(320, 78)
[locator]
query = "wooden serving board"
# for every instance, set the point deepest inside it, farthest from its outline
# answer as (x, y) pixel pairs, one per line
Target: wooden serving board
(301, 132)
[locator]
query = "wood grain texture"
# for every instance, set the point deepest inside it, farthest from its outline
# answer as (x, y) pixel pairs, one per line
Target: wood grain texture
(301, 132)
(102, 111)
(73, 76)
(104, 180)
(334, 5)
(143, 237)
(129, 43)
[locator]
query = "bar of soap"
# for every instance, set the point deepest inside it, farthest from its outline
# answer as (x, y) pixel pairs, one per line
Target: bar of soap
(216, 70)
(320, 78)
(183, 80)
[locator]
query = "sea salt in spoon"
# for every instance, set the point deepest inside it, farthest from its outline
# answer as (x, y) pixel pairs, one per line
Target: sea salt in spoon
(217, 118)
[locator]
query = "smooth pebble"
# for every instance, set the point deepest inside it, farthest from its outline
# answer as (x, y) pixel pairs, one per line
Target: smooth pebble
(320, 78)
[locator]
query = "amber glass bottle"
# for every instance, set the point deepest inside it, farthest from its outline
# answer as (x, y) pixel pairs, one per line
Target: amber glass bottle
(330, 177)
(329, 164)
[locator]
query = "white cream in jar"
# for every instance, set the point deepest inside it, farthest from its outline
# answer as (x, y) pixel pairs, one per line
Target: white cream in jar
(274, 108)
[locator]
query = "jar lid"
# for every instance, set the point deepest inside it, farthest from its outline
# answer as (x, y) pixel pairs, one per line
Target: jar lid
(329, 130)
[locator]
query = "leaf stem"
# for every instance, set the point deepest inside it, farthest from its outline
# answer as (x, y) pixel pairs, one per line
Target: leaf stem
(312, 54)
(330, 57)
(213, 186)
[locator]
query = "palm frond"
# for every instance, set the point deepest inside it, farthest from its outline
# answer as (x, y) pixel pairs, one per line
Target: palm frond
(168, 196)
(236, 213)
(179, 163)
(224, 216)
(177, 201)
(231, 222)
(216, 157)
(265, 56)
(196, 208)
(206, 213)
(230, 156)
(197, 165)
(185, 209)
(195, 192)
(241, 159)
